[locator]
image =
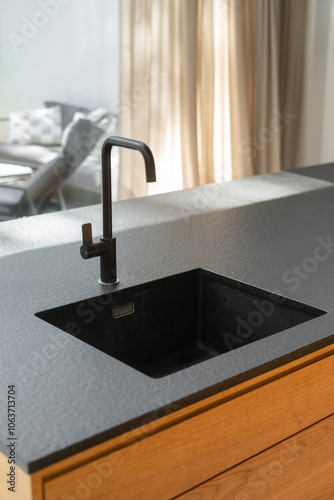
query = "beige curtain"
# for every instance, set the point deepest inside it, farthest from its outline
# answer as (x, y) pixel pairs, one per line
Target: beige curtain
(158, 93)
(266, 39)
(213, 86)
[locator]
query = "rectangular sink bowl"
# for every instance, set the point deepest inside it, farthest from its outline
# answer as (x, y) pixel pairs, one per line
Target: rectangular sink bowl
(170, 324)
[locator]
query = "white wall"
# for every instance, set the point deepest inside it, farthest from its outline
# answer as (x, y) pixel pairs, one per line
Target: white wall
(69, 53)
(317, 132)
(327, 139)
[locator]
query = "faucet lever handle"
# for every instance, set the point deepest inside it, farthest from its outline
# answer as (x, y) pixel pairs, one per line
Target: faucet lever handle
(87, 237)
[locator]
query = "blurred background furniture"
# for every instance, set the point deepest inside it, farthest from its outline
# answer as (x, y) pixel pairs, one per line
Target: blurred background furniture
(67, 137)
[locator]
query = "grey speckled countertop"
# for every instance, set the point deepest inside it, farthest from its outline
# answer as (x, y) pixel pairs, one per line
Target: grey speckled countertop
(71, 396)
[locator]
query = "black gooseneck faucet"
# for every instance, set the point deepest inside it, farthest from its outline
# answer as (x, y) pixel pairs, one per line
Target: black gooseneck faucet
(106, 247)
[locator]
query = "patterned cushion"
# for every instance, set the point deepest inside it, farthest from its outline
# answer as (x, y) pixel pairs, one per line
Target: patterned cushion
(67, 111)
(41, 126)
(79, 138)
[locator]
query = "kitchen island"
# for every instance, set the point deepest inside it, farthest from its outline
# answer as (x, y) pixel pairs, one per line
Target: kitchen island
(242, 423)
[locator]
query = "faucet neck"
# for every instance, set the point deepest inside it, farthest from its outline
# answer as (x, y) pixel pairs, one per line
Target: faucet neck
(106, 188)
(106, 174)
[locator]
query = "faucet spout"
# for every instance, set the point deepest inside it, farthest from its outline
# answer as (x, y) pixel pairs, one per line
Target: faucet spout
(106, 247)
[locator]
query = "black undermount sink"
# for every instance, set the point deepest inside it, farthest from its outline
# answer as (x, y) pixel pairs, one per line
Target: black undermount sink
(170, 324)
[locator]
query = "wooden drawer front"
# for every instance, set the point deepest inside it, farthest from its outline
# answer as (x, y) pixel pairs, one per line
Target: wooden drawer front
(299, 468)
(177, 459)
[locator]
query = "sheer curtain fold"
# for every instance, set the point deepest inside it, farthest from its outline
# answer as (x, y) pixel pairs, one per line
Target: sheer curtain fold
(293, 63)
(205, 80)
(266, 89)
(213, 86)
(135, 81)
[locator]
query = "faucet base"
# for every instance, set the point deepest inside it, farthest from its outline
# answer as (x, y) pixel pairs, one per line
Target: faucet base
(109, 284)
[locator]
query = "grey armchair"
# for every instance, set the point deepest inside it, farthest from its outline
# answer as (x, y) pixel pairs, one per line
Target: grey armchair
(33, 196)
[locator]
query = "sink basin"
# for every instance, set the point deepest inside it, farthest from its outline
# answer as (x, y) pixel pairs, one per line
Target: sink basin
(170, 324)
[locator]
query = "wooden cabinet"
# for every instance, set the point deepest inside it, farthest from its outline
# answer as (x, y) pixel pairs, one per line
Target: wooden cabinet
(298, 468)
(269, 437)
